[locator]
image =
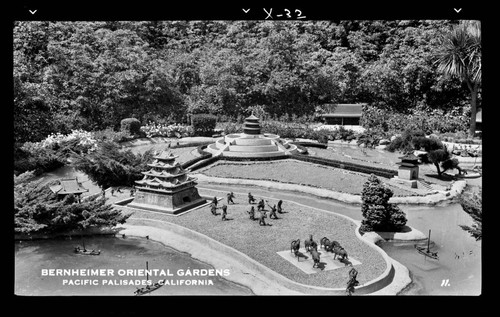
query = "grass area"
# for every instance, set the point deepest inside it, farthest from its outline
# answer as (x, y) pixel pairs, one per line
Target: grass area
(296, 172)
(377, 158)
(370, 157)
(262, 242)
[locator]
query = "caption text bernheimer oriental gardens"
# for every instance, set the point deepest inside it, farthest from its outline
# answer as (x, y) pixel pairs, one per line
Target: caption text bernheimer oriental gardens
(137, 277)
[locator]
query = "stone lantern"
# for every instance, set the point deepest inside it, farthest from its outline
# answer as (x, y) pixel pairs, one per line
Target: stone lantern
(408, 170)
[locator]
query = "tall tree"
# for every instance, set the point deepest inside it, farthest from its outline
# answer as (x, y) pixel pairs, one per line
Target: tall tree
(461, 57)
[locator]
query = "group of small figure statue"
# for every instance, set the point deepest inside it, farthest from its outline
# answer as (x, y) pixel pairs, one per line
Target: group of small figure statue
(118, 190)
(251, 200)
(329, 246)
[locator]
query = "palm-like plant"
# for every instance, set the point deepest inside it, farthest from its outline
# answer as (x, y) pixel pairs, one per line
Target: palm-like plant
(460, 56)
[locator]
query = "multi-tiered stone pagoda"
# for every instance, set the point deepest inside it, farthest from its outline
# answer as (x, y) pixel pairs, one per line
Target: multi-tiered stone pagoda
(166, 187)
(252, 143)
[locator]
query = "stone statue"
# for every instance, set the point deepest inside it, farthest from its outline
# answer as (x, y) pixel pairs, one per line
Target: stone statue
(224, 212)
(230, 197)
(353, 273)
(251, 199)
(272, 213)
(280, 211)
(252, 213)
(261, 205)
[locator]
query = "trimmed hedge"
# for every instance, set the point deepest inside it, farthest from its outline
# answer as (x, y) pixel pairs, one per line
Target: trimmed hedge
(347, 165)
(131, 125)
(311, 144)
(191, 144)
(205, 162)
(204, 155)
(203, 124)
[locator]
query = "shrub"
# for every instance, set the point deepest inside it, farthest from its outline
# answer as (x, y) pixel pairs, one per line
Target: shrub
(421, 118)
(203, 124)
(427, 144)
(343, 134)
(231, 128)
(110, 135)
(370, 137)
(110, 166)
(131, 126)
(378, 213)
(39, 162)
(443, 158)
(404, 143)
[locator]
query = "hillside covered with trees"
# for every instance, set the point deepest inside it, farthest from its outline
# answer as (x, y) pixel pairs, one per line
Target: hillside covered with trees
(91, 75)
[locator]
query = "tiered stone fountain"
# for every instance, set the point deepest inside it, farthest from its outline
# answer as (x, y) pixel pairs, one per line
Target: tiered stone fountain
(252, 143)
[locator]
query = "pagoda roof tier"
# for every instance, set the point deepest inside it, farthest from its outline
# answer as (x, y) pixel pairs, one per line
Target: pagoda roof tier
(406, 164)
(251, 118)
(164, 174)
(166, 155)
(164, 165)
(159, 183)
(409, 157)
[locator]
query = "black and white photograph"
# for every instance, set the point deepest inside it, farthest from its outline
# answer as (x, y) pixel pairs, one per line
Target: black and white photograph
(280, 155)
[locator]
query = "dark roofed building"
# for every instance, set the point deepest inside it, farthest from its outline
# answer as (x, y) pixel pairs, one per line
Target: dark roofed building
(342, 113)
(68, 186)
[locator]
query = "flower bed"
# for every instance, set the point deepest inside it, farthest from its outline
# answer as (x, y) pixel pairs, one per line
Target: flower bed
(173, 130)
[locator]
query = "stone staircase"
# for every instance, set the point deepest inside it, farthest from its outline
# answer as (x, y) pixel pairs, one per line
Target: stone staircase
(424, 184)
(423, 188)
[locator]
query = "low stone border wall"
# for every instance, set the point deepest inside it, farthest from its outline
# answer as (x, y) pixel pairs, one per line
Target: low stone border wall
(71, 233)
(456, 189)
(264, 280)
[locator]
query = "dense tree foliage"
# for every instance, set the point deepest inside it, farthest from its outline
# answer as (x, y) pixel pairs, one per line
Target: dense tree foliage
(108, 166)
(378, 213)
(38, 210)
(91, 75)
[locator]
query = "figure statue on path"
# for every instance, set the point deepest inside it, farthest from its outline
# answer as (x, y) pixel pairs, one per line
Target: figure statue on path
(213, 209)
(252, 213)
(262, 222)
(214, 201)
(261, 205)
(251, 199)
(353, 273)
(280, 211)
(224, 212)
(230, 197)
(272, 213)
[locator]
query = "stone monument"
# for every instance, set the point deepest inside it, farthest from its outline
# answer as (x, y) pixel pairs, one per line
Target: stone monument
(252, 143)
(166, 187)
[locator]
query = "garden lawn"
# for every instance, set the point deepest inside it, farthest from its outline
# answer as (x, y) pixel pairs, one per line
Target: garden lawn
(365, 156)
(297, 172)
(262, 243)
(376, 158)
